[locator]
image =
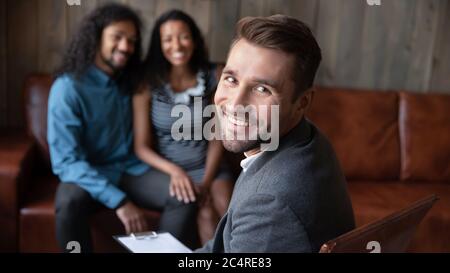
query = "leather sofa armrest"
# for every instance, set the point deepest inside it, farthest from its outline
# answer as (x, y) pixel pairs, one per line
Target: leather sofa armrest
(17, 159)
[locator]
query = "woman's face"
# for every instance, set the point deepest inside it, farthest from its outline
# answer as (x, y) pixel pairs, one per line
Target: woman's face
(176, 42)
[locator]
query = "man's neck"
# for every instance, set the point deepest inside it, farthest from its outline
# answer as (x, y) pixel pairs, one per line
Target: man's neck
(252, 152)
(100, 64)
(257, 150)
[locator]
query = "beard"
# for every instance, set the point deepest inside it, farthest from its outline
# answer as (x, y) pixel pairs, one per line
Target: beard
(240, 146)
(244, 139)
(111, 64)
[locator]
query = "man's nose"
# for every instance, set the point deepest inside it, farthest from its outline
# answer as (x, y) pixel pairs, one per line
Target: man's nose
(238, 98)
(124, 45)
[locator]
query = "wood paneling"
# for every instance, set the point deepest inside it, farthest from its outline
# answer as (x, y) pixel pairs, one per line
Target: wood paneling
(147, 11)
(3, 75)
(74, 15)
(23, 54)
(440, 74)
(199, 10)
(225, 14)
(52, 33)
(402, 44)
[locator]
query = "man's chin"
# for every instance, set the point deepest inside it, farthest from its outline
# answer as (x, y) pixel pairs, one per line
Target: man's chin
(118, 67)
(239, 146)
(115, 66)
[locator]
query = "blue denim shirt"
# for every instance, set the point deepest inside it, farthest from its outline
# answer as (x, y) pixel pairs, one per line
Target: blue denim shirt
(90, 135)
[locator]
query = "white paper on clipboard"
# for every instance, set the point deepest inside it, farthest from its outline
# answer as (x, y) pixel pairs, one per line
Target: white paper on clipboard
(162, 243)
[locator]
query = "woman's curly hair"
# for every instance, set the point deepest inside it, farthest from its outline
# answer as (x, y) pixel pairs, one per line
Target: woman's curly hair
(82, 49)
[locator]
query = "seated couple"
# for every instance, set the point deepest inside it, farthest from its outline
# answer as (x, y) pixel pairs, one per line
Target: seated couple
(111, 143)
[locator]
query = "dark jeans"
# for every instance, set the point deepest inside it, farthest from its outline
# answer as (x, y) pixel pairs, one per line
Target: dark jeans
(74, 206)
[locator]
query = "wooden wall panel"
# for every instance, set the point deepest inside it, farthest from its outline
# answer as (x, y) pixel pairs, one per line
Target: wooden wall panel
(402, 44)
(52, 34)
(440, 74)
(225, 14)
(422, 42)
(200, 11)
(348, 43)
(327, 34)
(3, 74)
(147, 11)
(74, 15)
(253, 8)
(305, 10)
(22, 59)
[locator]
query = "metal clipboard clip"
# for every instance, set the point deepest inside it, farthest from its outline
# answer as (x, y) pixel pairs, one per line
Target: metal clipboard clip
(144, 235)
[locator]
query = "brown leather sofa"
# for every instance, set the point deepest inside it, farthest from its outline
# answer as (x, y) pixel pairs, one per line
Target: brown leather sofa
(27, 185)
(394, 148)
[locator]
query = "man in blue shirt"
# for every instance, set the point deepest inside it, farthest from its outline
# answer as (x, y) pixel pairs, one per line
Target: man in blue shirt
(90, 134)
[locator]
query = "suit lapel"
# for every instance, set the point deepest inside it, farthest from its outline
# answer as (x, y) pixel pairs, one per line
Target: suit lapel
(299, 135)
(218, 246)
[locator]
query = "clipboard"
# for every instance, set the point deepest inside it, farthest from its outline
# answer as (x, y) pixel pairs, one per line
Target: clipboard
(151, 242)
(391, 234)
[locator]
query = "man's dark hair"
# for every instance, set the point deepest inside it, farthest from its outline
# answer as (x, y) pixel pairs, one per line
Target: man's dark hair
(289, 35)
(83, 47)
(156, 65)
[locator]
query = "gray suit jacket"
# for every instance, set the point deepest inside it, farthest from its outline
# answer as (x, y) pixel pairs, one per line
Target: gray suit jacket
(293, 199)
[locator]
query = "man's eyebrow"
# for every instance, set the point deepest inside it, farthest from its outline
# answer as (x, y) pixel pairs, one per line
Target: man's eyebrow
(229, 71)
(123, 33)
(271, 83)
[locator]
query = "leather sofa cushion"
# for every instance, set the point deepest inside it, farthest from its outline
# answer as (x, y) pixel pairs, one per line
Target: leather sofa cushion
(373, 201)
(12, 146)
(425, 136)
(37, 90)
(363, 129)
(37, 221)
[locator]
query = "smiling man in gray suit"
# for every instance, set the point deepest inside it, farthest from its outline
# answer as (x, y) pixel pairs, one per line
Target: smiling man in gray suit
(294, 198)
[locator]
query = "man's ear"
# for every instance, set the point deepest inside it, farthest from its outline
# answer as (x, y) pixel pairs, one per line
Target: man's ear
(305, 101)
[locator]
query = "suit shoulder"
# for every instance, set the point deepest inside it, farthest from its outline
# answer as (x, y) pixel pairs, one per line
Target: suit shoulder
(303, 170)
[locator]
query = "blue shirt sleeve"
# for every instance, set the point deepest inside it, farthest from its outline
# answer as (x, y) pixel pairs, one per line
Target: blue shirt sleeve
(68, 158)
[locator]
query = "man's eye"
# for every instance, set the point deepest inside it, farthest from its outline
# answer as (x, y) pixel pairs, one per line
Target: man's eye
(262, 89)
(230, 79)
(185, 37)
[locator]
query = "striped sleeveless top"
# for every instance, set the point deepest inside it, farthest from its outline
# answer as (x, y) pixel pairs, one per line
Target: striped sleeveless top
(189, 154)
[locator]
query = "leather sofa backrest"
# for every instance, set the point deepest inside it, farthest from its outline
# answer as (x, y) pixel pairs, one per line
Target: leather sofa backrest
(363, 129)
(37, 90)
(425, 134)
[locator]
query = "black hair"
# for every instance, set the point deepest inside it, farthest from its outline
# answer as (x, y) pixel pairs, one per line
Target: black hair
(83, 47)
(156, 66)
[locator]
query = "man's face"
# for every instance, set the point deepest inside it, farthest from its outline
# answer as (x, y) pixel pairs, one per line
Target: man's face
(116, 46)
(259, 77)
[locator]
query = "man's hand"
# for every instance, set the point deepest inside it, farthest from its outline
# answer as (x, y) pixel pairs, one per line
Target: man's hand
(181, 186)
(132, 218)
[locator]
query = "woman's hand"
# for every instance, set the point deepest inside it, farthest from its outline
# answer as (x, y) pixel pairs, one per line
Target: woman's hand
(181, 186)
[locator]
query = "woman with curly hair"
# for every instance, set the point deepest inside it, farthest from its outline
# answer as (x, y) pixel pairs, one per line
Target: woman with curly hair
(178, 72)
